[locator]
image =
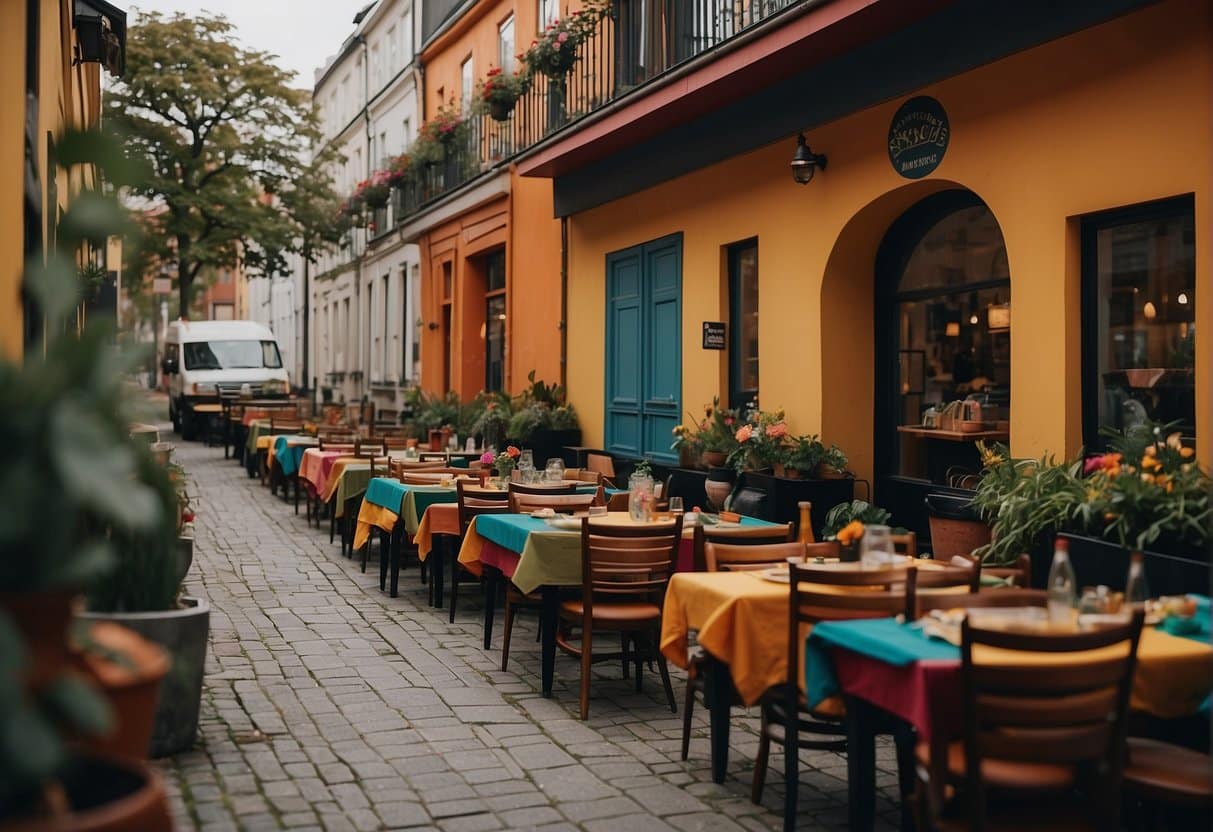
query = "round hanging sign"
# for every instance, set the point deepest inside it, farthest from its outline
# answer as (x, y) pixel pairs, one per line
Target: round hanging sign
(918, 137)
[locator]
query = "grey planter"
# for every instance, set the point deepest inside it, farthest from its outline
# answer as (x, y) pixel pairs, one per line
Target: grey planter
(183, 633)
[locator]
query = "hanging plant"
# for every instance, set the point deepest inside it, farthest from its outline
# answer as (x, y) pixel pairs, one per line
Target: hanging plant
(501, 91)
(554, 52)
(398, 170)
(92, 277)
(376, 191)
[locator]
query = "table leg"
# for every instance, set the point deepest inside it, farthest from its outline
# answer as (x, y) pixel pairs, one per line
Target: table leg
(438, 555)
(548, 623)
(490, 603)
(718, 693)
(383, 566)
(394, 546)
(861, 765)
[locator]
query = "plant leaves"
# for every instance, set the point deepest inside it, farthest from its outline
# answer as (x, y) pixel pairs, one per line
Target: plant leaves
(76, 703)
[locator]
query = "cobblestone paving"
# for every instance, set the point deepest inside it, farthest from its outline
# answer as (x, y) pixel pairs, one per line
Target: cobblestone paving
(330, 705)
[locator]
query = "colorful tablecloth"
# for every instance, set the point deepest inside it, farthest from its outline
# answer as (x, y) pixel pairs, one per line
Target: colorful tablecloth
(288, 450)
(900, 670)
(315, 466)
(257, 428)
(533, 554)
(439, 518)
(387, 500)
(349, 478)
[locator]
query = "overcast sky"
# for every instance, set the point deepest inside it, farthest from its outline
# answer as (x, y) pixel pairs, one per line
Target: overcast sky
(303, 33)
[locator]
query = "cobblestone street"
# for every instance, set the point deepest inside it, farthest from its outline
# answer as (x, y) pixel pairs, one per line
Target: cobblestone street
(330, 705)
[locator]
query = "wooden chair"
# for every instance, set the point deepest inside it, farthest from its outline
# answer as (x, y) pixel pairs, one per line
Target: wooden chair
(562, 501)
(473, 501)
(398, 443)
(964, 577)
(369, 444)
(1162, 776)
(825, 549)
(905, 544)
(925, 602)
(1035, 739)
(624, 573)
(785, 715)
(734, 537)
(601, 464)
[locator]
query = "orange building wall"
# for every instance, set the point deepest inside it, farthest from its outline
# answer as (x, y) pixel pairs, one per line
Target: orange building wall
(1113, 116)
(522, 222)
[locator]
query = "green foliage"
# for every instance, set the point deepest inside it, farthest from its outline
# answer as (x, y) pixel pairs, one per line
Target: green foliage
(861, 510)
(539, 392)
(527, 419)
(223, 133)
(491, 418)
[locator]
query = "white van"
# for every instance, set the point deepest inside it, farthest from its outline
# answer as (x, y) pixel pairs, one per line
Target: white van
(203, 359)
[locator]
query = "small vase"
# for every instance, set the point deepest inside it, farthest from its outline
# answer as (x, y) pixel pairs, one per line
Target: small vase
(640, 498)
(849, 553)
(714, 459)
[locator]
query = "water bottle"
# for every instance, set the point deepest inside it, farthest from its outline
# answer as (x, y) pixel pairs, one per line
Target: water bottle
(1136, 591)
(1062, 586)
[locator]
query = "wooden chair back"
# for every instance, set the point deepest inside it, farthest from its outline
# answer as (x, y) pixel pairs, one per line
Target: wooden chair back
(934, 575)
(627, 563)
(431, 477)
(285, 424)
(746, 557)
(343, 447)
(905, 544)
(563, 501)
(735, 537)
(1020, 711)
(474, 501)
(397, 442)
(370, 446)
(858, 593)
(584, 475)
(993, 598)
(399, 467)
(601, 464)
(824, 549)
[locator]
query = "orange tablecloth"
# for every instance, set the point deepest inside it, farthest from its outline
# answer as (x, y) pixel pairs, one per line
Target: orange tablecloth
(440, 518)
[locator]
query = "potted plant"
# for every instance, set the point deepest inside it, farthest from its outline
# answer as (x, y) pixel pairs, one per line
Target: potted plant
(543, 421)
(71, 452)
(501, 90)
(640, 490)
(375, 192)
(492, 420)
(554, 53)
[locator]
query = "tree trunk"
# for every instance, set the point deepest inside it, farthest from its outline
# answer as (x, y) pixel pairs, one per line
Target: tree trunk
(185, 276)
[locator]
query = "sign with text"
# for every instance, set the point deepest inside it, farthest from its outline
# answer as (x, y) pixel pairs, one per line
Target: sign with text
(714, 335)
(162, 285)
(918, 137)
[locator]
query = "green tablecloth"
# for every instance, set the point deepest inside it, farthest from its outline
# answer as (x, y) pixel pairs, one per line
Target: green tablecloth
(354, 480)
(256, 428)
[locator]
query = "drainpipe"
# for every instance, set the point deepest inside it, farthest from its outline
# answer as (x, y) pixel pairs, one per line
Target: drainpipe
(564, 303)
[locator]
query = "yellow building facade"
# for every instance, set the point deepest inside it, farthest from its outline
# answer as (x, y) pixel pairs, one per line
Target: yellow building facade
(47, 90)
(1115, 115)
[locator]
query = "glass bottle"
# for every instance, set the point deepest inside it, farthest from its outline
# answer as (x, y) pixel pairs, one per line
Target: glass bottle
(1136, 590)
(1062, 586)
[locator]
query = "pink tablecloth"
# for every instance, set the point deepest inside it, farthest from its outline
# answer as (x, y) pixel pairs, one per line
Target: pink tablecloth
(316, 468)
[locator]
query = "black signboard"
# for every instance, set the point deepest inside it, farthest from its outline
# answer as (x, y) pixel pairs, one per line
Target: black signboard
(918, 137)
(713, 335)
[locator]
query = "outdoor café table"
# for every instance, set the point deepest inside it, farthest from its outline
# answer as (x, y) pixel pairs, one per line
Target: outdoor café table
(312, 468)
(289, 448)
(882, 667)
(742, 624)
(536, 556)
(388, 501)
(348, 479)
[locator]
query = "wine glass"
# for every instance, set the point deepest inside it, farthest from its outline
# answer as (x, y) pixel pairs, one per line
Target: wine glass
(676, 505)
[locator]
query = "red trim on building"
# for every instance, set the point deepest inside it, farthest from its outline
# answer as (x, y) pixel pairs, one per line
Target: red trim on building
(822, 33)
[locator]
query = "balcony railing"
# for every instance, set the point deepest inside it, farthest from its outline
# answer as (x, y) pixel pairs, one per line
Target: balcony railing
(635, 44)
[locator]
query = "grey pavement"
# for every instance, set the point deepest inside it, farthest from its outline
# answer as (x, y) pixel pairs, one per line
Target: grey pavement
(329, 705)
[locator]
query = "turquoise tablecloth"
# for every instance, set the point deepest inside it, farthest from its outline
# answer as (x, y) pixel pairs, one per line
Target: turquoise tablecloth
(509, 531)
(901, 644)
(289, 456)
(406, 500)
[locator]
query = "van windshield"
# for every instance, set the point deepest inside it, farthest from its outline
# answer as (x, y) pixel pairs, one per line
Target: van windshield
(231, 355)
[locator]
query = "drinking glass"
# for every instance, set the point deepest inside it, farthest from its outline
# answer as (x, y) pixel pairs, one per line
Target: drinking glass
(526, 460)
(676, 505)
(554, 471)
(876, 548)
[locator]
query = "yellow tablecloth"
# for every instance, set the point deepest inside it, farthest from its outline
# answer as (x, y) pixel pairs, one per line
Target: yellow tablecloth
(372, 516)
(440, 518)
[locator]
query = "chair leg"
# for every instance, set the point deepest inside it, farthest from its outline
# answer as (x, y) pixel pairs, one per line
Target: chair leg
(587, 665)
(332, 523)
(665, 682)
(688, 708)
(508, 625)
(454, 588)
(791, 760)
(760, 761)
(638, 658)
(624, 657)
(383, 565)
(295, 481)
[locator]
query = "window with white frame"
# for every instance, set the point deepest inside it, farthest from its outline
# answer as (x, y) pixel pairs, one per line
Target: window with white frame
(391, 52)
(466, 75)
(406, 38)
(505, 44)
(549, 11)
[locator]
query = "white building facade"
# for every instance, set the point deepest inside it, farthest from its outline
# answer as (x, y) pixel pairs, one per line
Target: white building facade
(360, 343)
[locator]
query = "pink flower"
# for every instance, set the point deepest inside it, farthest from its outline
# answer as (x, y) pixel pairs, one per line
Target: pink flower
(744, 433)
(777, 430)
(562, 37)
(486, 458)
(1092, 464)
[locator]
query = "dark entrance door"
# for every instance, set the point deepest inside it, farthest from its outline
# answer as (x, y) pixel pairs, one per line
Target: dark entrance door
(943, 305)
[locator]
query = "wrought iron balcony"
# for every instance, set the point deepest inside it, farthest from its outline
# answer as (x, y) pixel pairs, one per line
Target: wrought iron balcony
(637, 43)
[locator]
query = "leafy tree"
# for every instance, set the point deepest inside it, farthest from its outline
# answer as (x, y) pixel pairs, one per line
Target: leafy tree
(225, 137)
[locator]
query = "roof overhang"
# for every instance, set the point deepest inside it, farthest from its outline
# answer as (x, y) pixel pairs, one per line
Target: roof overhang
(800, 37)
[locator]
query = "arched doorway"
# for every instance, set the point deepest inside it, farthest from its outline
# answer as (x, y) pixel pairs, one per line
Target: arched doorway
(943, 304)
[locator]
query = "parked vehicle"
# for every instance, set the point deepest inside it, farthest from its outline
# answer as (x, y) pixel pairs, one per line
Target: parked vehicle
(204, 359)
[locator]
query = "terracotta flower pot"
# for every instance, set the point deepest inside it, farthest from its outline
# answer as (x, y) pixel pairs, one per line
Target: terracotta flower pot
(105, 794)
(42, 619)
(714, 459)
(127, 669)
(829, 472)
(500, 110)
(435, 440)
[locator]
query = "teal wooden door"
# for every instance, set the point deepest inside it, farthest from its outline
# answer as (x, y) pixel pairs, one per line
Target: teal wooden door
(644, 348)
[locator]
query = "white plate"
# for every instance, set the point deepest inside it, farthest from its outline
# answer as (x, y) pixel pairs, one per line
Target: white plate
(571, 524)
(777, 574)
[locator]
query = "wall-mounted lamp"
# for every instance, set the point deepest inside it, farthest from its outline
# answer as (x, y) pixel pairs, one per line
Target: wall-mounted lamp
(1149, 311)
(1182, 299)
(973, 319)
(805, 162)
(432, 325)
